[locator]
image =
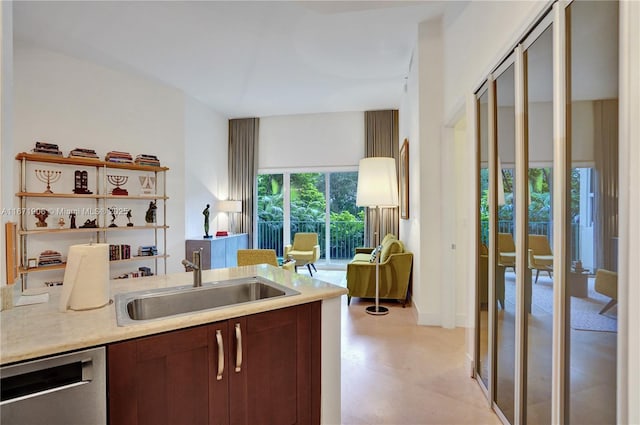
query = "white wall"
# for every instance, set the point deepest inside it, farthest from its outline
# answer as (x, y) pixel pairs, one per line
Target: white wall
(6, 140)
(464, 177)
(476, 40)
(409, 128)
(75, 103)
(449, 62)
(428, 244)
(206, 164)
(311, 140)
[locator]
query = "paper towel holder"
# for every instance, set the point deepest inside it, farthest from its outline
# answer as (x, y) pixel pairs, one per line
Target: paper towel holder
(86, 278)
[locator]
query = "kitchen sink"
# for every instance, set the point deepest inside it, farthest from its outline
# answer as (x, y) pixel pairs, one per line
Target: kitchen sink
(140, 306)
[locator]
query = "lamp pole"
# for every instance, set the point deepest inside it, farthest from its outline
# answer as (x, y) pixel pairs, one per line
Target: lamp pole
(377, 309)
(378, 188)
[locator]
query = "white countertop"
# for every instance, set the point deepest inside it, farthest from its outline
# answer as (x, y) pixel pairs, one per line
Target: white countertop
(37, 330)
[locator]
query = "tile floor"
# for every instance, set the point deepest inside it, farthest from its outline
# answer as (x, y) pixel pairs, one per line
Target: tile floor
(396, 372)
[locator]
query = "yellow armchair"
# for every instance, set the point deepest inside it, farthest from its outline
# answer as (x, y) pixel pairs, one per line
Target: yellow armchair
(540, 255)
(249, 257)
(506, 250)
(305, 250)
(607, 285)
(395, 272)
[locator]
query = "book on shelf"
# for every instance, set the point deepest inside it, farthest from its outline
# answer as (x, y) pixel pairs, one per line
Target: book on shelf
(119, 252)
(119, 157)
(147, 250)
(49, 258)
(83, 153)
(47, 148)
(146, 159)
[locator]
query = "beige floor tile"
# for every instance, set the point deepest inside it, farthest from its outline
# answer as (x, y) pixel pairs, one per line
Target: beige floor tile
(395, 372)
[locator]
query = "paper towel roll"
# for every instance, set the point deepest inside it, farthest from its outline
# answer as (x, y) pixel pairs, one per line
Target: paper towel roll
(86, 278)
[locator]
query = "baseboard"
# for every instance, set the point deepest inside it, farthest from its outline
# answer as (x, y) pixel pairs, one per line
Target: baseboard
(428, 319)
(432, 319)
(469, 364)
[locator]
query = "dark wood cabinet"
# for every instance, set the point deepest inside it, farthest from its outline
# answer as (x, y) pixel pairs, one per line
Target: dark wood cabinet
(258, 369)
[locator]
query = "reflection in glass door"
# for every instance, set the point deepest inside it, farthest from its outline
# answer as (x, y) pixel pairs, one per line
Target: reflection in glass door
(505, 271)
(539, 86)
(482, 277)
(578, 284)
(592, 234)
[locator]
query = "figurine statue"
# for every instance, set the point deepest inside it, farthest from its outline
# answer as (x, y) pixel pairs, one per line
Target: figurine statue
(72, 217)
(90, 224)
(150, 215)
(206, 222)
(61, 223)
(113, 217)
(41, 215)
(129, 224)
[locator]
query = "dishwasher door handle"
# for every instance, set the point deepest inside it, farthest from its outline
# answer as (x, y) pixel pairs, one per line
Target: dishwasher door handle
(85, 376)
(41, 393)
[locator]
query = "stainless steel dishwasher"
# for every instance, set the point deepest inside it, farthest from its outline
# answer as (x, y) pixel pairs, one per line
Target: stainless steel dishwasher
(66, 389)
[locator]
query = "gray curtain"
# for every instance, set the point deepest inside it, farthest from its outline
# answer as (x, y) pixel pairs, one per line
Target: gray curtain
(243, 168)
(606, 194)
(381, 139)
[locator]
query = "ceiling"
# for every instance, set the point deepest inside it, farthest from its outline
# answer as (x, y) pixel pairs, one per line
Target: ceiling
(245, 58)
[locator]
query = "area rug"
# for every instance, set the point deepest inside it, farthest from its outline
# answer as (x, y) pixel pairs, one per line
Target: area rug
(584, 311)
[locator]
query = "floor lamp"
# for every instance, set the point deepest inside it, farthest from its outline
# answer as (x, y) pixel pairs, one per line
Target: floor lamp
(377, 188)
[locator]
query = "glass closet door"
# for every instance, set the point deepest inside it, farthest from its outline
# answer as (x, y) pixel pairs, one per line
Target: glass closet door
(539, 278)
(482, 275)
(592, 231)
(506, 252)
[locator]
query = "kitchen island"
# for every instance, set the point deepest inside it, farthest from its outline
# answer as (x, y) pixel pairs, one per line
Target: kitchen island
(40, 330)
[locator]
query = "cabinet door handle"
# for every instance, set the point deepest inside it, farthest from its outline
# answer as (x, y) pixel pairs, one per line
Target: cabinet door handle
(220, 355)
(238, 347)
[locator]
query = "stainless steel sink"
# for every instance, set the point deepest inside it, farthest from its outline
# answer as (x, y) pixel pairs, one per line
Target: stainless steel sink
(139, 306)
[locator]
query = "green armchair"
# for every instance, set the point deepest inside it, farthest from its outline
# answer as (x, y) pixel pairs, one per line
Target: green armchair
(395, 272)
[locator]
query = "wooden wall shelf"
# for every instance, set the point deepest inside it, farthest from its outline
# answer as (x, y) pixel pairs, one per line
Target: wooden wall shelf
(99, 201)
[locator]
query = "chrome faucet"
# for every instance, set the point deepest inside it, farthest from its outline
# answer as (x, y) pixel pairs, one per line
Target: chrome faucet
(196, 265)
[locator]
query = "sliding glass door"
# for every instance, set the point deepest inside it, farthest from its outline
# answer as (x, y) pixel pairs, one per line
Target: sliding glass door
(546, 299)
(317, 202)
(270, 220)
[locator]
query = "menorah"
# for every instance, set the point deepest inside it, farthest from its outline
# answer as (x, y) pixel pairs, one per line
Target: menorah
(48, 177)
(118, 181)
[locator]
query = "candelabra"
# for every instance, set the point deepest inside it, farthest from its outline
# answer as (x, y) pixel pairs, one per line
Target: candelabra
(48, 177)
(118, 181)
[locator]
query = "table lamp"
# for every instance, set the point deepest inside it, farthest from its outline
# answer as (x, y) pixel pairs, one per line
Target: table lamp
(231, 207)
(377, 187)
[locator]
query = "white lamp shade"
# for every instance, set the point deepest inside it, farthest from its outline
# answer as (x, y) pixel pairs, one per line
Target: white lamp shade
(229, 206)
(377, 183)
